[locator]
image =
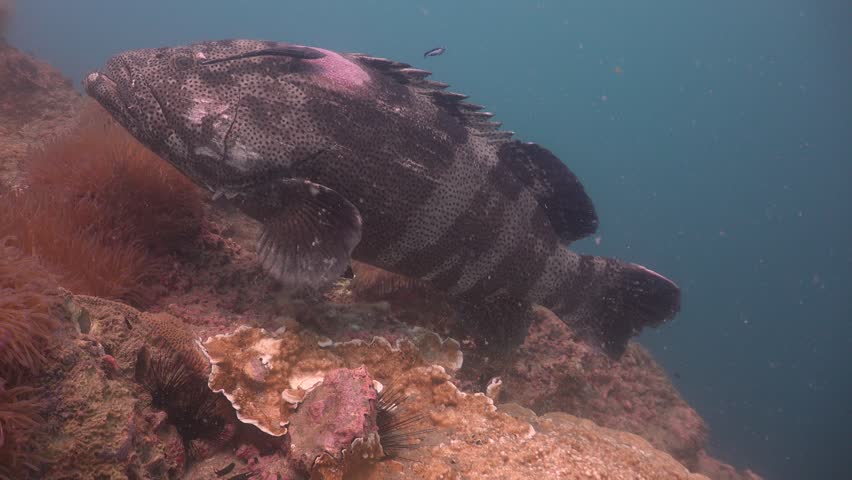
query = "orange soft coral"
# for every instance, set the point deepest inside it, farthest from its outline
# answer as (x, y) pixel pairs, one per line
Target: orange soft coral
(26, 298)
(101, 210)
(19, 420)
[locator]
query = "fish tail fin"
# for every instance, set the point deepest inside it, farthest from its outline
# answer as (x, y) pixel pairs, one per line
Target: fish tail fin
(608, 301)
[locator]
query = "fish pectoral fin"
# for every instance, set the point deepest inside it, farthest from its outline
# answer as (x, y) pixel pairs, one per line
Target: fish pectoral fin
(307, 240)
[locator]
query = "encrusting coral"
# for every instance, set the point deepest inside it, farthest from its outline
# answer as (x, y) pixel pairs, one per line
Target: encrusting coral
(128, 395)
(26, 297)
(109, 428)
(256, 369)
(101, 211)
(336, 420)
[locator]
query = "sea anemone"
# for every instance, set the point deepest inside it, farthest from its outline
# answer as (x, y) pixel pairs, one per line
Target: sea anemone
(19, 421)
(27, 294)
(101, 210)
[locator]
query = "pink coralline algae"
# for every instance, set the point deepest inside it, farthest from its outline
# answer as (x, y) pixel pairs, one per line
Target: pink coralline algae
(332, 417)
(109, 364)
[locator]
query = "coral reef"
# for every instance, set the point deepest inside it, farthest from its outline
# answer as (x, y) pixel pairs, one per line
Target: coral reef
(473, 439)
(161, 353)
(717, 470)
(461, 435)
(115, 416)
(101, 210)
(219, 283)
(27, 294)
(464, 433)
(36, 103)
(552, 372)
(256, 369)
(85, 261)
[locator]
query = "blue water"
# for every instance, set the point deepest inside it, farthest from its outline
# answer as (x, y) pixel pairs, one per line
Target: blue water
(720, 155)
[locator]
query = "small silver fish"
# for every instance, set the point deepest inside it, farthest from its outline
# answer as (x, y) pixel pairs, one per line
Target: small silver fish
(435, 52)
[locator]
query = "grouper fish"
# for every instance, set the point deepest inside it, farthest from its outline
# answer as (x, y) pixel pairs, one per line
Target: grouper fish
(349, 156)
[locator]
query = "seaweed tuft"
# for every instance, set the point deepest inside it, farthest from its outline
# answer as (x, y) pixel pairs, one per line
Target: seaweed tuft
(27, 295)
(102, 211)
(19, 425)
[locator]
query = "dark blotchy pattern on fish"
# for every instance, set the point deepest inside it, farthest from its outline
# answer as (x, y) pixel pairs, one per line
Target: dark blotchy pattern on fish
(343, 155)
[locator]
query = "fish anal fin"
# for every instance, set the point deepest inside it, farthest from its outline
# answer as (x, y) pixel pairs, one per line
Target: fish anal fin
(498, 326)
(555, 187)
(500, 320)
(309, 233)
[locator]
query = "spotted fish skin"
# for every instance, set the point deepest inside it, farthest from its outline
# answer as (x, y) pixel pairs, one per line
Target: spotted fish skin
(343, 155)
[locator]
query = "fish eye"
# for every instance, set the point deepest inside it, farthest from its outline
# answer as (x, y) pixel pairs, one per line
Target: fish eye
(183, 62)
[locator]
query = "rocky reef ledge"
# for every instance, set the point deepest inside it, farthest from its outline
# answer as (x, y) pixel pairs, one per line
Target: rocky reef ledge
(110, 420)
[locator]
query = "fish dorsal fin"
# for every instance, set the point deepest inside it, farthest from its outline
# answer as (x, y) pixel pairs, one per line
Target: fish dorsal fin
(557, 189)
(453, 103)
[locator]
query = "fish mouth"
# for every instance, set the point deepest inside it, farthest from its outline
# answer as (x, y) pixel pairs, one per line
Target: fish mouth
(104, 89)
(109, 86)
(96, 81)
